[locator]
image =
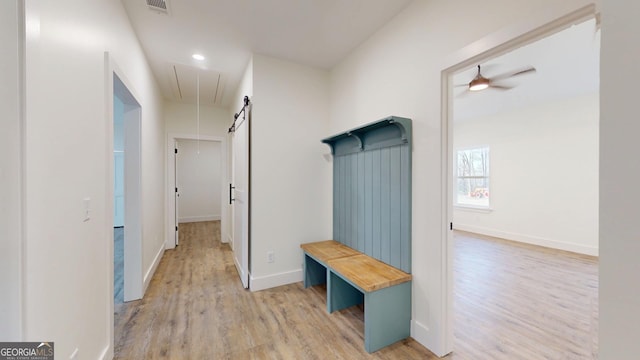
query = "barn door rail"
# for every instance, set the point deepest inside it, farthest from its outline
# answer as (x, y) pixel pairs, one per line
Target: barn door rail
(237, 115)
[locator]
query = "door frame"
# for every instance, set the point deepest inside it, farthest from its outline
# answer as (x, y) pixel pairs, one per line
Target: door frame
(493, 45)
(170, 200)
(133, 274)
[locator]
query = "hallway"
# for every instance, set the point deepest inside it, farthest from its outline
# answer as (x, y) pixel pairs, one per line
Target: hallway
(196, 308)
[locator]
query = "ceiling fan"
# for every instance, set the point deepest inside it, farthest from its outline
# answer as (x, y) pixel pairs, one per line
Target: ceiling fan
(480, 82)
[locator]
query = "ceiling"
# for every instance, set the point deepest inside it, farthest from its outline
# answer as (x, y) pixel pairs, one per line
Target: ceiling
(312, 32)
(567, 65)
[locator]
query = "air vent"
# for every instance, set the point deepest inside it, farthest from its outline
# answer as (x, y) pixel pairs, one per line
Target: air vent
(158, 5)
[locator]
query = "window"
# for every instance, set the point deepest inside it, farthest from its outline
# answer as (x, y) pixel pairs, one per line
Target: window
(472, 188)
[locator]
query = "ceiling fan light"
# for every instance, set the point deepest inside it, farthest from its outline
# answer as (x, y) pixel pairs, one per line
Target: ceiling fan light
(478, 84)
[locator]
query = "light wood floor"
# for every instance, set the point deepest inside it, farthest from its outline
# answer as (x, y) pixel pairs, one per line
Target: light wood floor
(196, 308)
(511, 302)
(517, 301)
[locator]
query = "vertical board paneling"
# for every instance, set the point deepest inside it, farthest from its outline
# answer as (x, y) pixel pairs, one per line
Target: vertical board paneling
(353, 238)
(346, 200)
(394, 204)
(345, 196)
(376, 201)
(372, 195)
(405, 209)
(385, 205)
(348, 196)
(343, 200)
(368, 202)
(337, 190)
(361, 194)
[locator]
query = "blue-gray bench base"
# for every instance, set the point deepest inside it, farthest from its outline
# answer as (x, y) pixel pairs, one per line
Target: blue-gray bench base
(387, 311)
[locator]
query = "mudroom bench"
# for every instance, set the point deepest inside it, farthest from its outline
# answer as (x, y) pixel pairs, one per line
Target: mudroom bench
(369, 259)
(354, 278)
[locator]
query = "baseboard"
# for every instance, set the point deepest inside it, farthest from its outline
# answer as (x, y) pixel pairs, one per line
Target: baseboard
(230, 241)
(239, 269)
(533, 240)
(421, 334)
(198, 218)
(107, 354)
(152, 269)
(225, 238)
(258, 283)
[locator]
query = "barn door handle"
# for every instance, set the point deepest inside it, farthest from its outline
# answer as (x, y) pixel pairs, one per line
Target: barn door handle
(231, 199)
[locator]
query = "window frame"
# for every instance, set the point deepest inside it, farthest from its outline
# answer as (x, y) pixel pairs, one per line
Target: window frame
(486, 176)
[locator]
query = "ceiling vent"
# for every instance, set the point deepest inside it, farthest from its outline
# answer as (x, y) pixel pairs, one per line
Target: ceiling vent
(158, 5)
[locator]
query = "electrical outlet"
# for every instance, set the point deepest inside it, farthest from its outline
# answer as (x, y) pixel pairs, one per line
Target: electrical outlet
(271, 256)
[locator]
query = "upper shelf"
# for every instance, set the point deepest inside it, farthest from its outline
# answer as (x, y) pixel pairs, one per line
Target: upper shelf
(390, 131)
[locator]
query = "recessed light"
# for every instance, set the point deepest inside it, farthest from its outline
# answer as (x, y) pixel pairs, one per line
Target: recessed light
(198, 57)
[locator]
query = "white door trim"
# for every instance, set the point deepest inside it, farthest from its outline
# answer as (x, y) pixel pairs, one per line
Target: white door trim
(171, 181)
(536, 27)
(134, 282)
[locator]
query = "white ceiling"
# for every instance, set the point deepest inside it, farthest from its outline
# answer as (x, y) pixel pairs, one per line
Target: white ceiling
(567, 64)
(312, 32)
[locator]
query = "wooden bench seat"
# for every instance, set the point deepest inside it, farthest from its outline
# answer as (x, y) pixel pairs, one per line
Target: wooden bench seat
(354, 278)
(324, 251)
(368, 273)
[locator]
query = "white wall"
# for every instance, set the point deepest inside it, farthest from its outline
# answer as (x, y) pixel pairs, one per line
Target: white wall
(544, 174)
(181, 119)
(68, 149)
(619, 173)
(10, 173)
(398, 72)
(291, 199)
(199, 180)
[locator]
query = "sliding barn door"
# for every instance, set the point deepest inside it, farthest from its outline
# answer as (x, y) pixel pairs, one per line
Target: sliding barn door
(241, 197)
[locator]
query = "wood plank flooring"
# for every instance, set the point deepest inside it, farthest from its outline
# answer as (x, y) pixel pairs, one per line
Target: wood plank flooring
(512, 301)
(517, 301)
(196, 308)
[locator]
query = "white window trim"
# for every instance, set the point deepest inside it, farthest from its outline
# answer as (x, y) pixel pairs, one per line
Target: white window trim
(470, 207)
(473, 208)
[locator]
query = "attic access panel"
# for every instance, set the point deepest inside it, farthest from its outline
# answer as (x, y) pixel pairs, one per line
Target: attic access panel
(184, 81)
(372, 190)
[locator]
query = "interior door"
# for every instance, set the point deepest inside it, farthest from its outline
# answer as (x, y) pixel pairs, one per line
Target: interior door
(177, 190)
(241, 196)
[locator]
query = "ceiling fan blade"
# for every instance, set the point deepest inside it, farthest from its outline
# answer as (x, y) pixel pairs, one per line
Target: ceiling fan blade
(513, 73)
(501, 87)
(463, 94)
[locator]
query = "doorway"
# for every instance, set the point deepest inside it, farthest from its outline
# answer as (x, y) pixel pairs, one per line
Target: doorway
(182, 150)
(118, 200)
(127, 225)
(481, 196)
(199, 181)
